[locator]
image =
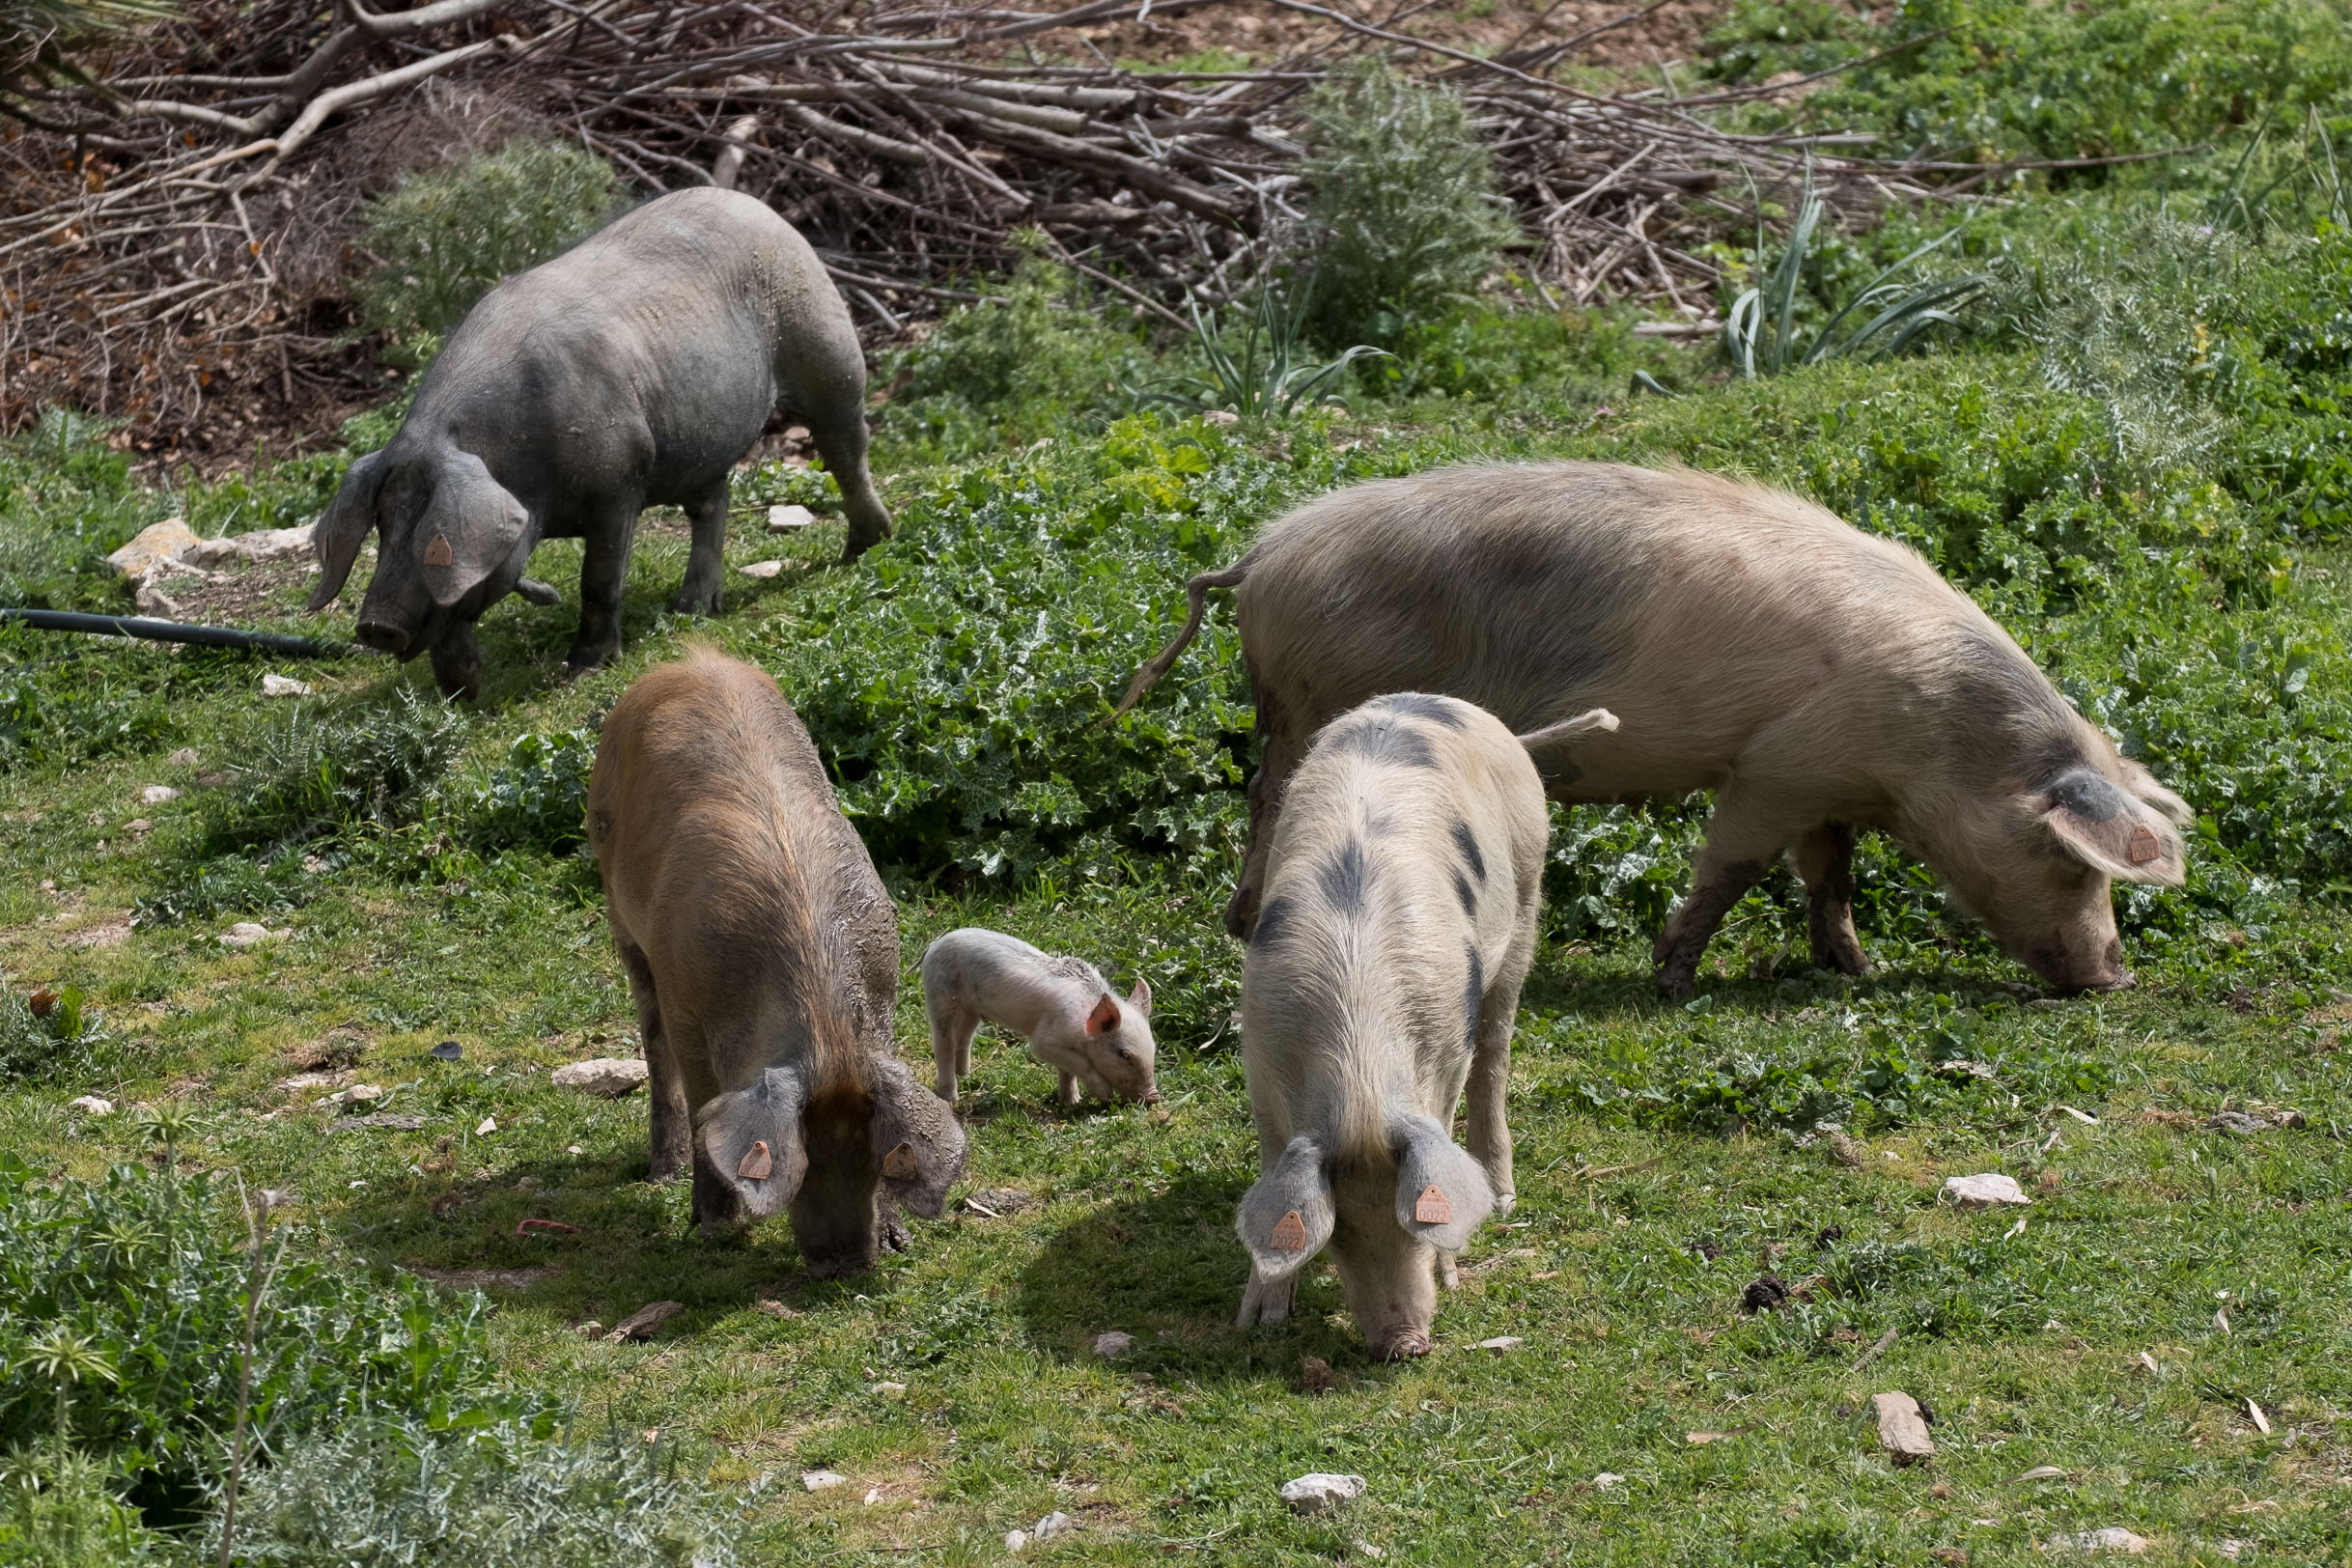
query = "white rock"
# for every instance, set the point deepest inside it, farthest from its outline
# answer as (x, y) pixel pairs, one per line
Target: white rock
(1221, 416)
(1054, 1523)
(246, 933)
(822, 1481)
(156, 794)
(1607, 1479)
(261, 544)
(887, 1387)
(283, 685)
(1902, 1428)
(1113, 1342)
(873, 1495)
(90, 1104)
(490, 1125)
(152, 601)
(1501, 1344)
(1983, 1191)
(357, 1091)
(1320, 1493)
(784, 518)
(153, 548)
(1014, 1540)
(761, 570)
(2114, 1538)
(608, 1077)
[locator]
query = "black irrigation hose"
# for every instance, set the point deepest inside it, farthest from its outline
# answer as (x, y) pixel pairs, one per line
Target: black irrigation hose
(209, 636)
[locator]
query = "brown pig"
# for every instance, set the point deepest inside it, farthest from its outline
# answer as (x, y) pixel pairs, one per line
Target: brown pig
(1402, 884)
(762, 953)
(1818, 679)
(1062, 1006)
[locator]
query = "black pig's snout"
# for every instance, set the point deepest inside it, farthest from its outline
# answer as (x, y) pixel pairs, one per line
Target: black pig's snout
(384, 636)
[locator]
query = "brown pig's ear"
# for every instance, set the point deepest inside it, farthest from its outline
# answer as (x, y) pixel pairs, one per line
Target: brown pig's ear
(1288, 1215)
(343, 526)
(1141, 998)
(917, 1140)
(1442, 1193)
(469, 529)
(2143, 783)
(1105, 1015)
(2111, 832)
(751, 1140)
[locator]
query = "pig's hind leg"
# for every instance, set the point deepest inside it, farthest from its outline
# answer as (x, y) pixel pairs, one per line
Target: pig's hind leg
(1824, 861)
(699, 594)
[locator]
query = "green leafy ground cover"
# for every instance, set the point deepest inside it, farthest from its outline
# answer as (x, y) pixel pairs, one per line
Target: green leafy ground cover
(2151, 495)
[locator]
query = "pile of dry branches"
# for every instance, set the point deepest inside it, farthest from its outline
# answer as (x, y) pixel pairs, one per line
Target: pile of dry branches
(173, 240)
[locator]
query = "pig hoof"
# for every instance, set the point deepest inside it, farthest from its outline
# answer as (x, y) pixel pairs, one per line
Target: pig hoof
(1402, 1345)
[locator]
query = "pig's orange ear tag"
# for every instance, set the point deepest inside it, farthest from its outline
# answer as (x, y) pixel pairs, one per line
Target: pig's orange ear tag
(899, 1164)
(757, 1164)
(438, 552)
(1290, 1236)
(1432, 1208)
(2146, 846)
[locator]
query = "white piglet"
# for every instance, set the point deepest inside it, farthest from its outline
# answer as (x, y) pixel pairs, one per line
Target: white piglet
(1062, 1006)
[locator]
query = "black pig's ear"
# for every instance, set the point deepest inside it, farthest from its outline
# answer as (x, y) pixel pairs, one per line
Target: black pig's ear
(751, 1140)
(470, 527)
(2109, 831)
(343, 526)
(1442, 1193)
(917, 1140)
(1287, 1217)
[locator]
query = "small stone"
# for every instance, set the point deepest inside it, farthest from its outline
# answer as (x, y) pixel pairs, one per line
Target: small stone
(382, 1121)
(2242, 1123)
(1844, 1148)
(490, 1125)
(137, 825)
(357, 1091)
(153, 548)
(822, 1481)
(645, 1321)
(784, 518)
(589, 1329)
(1983, 1191)
(1014, 1540)
(184, 757)
(283, 685)
(1902, 1431)
(1320, 1493)
(761, 570)
(1054, 1523)
(1221, 416)
(1607, 1479)
(873, 1495)
(1113, 1342)
(90, 1104)
(156, 794)
(248, 933)
(1365, 1549)
(448, 1051)
(1501, 1344)
(608, 1077)
(2114, 1538)
(2231, 1547)
(884, 1388)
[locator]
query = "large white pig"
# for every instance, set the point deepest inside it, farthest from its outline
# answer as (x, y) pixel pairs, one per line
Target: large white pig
(1818, 679)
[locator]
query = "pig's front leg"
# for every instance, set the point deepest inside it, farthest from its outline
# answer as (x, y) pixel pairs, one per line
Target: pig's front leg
(1742, 837)
(699, 594)
(603, 569)
(1825, 863)
(951, 1048)
(1266, 1301)
(1068, 1092)
(456, 661)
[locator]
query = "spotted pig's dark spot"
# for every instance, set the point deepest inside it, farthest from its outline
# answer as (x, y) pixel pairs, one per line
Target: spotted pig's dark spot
(1344, 879)
(1468, 843)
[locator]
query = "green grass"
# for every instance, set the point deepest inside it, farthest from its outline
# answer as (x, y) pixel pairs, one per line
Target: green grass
(424, 868)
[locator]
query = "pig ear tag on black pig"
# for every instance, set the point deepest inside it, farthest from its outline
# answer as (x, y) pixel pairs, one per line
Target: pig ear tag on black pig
(1432, 1208)
(438, 552)
(757, 1164)
(899, 1164)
